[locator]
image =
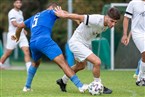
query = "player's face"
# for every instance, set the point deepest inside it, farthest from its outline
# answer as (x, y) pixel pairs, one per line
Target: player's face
(111, 22)
(17, 4)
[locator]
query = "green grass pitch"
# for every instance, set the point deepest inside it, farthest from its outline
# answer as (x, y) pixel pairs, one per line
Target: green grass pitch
(44, 83)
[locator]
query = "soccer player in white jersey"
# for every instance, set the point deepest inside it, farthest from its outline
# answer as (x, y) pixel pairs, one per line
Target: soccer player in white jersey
(15, 16)
(80, 42)
(135, 75)
(136, 12)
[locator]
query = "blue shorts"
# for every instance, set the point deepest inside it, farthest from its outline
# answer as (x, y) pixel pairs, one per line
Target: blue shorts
(44, 46)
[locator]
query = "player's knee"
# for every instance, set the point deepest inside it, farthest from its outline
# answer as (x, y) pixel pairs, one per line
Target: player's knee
(26, 52)
(143, 56)
(97, 62)
(36, 64)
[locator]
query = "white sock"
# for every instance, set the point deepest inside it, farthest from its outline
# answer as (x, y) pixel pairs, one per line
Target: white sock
(142, 66)
(141, 71)
(28, 64)
(1, 64)
(97, 79)
(65, 79)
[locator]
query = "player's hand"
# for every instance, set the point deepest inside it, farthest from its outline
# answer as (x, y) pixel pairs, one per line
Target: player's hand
(25, 32)
(78, 22)
(125, 40)
(13, 37)
(59, 12)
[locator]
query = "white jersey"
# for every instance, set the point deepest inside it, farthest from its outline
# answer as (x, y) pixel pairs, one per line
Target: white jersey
(80, 42)
(136, 11)
(89, 29)
(17, 16)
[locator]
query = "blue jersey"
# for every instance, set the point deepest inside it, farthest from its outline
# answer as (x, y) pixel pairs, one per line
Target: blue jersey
(41, 42)
(41, 24)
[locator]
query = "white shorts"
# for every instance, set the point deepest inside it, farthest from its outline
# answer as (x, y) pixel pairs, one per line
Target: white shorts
(80, 51)
(139, 41)
(11, 44)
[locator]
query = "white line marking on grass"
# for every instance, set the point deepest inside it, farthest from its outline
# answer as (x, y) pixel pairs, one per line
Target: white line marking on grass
(134, 94)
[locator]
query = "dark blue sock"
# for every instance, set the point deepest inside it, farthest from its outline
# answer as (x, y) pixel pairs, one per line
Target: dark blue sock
(31, 72)
(76, 81)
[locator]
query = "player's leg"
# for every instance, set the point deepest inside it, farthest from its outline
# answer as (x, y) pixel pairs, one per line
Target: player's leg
(36, 55)
(31, 73)
(141, 76)
(96, 70)
(96, 66)
(9, 48)
(143, 64)
(140, 44)
(23, 43)
(63, 81)
(27, 57)
(53, 52)
(77, 67)
(137, 69)
(70, 73)
(6, 54)
(80, 52)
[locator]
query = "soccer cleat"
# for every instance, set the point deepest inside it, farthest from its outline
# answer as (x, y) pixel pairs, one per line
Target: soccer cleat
(141, 79)
(141, 82)
(83, 88)
(107, 91)
(25, 89)
(61, 85)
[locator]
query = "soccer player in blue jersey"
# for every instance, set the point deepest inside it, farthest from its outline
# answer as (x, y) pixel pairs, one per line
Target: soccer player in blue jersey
(41, 42)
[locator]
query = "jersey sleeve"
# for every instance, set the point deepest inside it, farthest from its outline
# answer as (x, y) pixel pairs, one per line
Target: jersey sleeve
(28, 22)
(53, 13)
(129, 10)
(12, 16)
(91, 19)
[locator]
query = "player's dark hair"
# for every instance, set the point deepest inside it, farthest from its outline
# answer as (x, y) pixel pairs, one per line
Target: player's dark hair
(114, 13)
(17, 0)
(53, 4)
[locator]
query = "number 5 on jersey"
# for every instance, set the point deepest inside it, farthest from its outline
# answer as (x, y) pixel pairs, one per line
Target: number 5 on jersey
(35, 20)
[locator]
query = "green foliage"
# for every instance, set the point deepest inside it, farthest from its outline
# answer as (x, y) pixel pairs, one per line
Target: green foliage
(30, 7)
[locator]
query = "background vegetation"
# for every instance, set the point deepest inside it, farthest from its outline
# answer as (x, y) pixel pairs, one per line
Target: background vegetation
(30, 7)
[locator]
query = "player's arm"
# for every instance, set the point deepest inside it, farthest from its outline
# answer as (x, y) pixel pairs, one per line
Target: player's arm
(128, 15)
(12, 18)
(75, 17)
(14, 23)
(77, 21)
(128, 38)
(25, 32)
(18, 32)
(129, 35)
(20, 26)
(125, 25)
(63, 14)
(124, 39)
